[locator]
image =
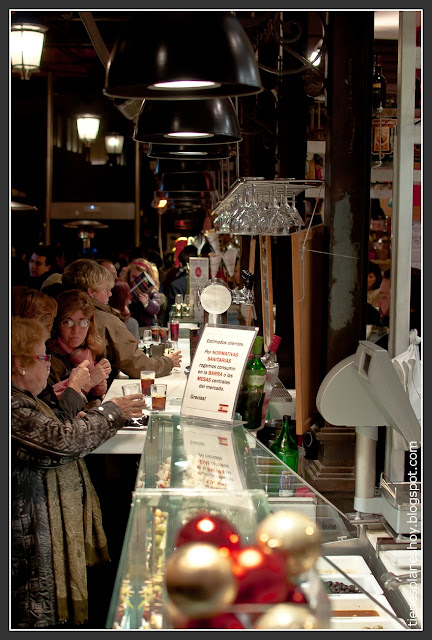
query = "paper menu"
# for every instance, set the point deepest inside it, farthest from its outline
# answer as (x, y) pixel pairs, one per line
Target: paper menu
(211, 451)
(216, 372)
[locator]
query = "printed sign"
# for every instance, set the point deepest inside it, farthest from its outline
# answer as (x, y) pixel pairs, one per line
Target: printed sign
(216, 372)
(211, 455)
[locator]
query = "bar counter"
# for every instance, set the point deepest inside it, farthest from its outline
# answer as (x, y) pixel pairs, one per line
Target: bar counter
(132, 441)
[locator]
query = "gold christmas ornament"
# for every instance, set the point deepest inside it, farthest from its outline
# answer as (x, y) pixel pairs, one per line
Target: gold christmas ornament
(288, 616)
(199, 580)
(293, 534)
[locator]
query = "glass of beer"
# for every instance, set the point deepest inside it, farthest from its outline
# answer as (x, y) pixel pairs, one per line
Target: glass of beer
(163, 332)
(158, 396)
(147, 379)
(155, 334)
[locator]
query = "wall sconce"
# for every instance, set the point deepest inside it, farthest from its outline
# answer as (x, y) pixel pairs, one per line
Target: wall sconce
(114, 147)
(26, 44)
(182, 55)
(114, 143)
(188, 122)
(88, 128)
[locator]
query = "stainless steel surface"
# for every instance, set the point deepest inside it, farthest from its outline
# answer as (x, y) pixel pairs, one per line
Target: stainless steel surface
(392, 581)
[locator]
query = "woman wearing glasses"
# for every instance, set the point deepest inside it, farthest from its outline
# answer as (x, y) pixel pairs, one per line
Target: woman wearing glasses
(55, 513)
(75, 339)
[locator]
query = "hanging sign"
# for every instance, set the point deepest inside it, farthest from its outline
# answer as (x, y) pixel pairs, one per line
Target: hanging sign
(216, 372)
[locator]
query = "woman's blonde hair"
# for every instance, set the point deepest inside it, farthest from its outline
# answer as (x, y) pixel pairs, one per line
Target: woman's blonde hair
(31, 303)
(26, 333)
(78, 300)
(87, 274)
(141, 264)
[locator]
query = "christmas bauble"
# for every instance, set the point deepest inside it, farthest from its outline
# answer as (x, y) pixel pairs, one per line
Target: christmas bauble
(199, 580)
(294, 535)
(288, 616)
(206, 527)
(221, 621)
(262, 577)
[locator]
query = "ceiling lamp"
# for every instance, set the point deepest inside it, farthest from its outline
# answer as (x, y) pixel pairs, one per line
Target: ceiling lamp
(190, 152)
(26, 44)
(176, 55)
(188, 122)
(88, 127)
(164, 165)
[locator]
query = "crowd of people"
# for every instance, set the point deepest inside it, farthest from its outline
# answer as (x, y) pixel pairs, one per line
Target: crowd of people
(67, 344)
(74, 327)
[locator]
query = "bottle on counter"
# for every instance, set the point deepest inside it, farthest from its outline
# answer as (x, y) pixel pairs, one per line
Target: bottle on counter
(252, 389)
(285, 447)
(378, 86)
(269, 360)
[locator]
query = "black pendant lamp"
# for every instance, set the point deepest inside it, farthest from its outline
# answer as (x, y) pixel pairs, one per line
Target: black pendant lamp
(175, 55)
(164, 165)
(187, 181)
(190, 152)
(189, 122)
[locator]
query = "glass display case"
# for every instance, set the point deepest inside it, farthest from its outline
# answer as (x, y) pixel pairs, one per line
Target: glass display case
(189, 467)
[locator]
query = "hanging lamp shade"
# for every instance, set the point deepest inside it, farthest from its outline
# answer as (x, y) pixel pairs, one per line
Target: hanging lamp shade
(175, 55)
(26, 44)
(190, 152)
(187, 181)
(189, 122)
(164, 165)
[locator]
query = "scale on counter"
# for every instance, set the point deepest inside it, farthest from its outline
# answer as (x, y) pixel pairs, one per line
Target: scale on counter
(364, 390)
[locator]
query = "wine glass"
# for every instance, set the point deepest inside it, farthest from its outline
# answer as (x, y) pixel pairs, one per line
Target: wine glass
(288, 213)
(276, 221)
(297, 216)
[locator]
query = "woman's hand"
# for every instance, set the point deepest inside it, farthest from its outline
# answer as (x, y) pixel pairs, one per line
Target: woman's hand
(176, 358)
(99, 374)
(79, 376)
(131, 406)
(144, 299)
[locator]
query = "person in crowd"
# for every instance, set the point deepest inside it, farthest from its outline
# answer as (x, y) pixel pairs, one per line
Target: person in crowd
(41, 265)
(121, 348)
(75, 339)
(179, 284)
(108, 264)
(145, 305)
(30, 303)
(56, 521)
(373, 284)
(121, 299)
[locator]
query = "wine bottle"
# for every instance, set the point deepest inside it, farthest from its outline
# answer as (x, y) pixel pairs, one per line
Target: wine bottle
(253, 387)
(378, 86)
(286, 449)
(270, 362)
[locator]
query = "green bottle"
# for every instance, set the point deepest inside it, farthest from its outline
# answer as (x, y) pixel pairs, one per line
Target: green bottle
(254, 379)
(286, 449)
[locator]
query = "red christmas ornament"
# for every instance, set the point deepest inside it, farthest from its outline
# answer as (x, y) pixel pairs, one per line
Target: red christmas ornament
(211, 529)
(222, 621)
(296, 595)
(262, 577)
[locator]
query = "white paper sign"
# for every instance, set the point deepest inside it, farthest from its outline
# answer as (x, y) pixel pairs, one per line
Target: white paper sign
(216, 372)
(212, 451)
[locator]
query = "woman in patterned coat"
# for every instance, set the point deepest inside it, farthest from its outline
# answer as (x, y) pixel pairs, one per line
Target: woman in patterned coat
(55, 514)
